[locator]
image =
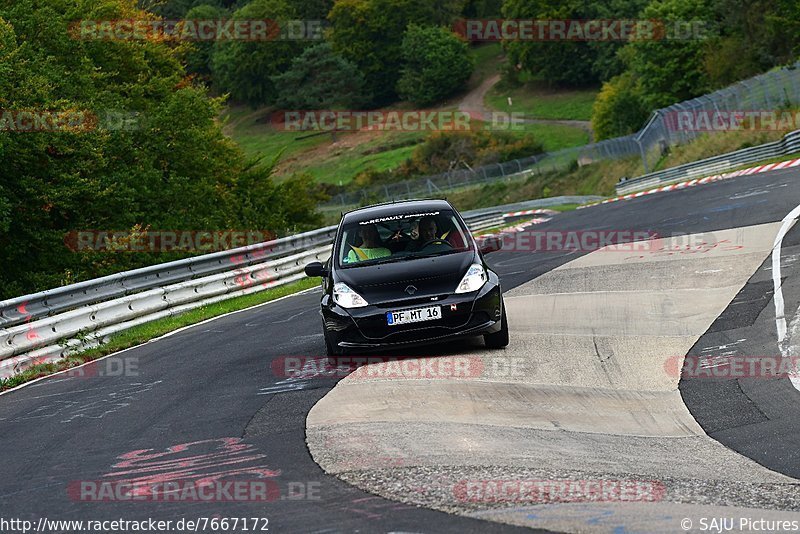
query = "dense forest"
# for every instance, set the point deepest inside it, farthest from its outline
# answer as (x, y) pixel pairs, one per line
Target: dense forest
(172, 167)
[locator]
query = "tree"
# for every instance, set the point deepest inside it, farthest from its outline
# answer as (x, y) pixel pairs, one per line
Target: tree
(569, 63)
(179, 9)
(619, 108)
(480, 9)
(436, 63)
(197, 56)
(565, 63)
(244, 68)
(670, 70)
(170, 168)
(370, 34)
(755, 35)
(320, 79)
(312, 9)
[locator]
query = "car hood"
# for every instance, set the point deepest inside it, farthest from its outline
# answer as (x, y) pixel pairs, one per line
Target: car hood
(389, 282)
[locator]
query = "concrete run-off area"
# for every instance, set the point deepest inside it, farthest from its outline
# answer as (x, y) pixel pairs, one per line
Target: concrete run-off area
(586, 393)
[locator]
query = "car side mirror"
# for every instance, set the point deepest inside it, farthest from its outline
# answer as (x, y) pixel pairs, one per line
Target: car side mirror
(491, 244)
(315, 269)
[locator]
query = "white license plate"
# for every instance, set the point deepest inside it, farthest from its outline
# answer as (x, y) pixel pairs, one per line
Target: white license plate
(414, 316)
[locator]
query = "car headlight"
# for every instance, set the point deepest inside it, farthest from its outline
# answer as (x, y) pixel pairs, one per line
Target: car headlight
(347, 298)
(473, 280)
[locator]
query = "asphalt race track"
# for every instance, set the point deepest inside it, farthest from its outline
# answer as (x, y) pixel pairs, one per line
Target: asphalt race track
(210, 403)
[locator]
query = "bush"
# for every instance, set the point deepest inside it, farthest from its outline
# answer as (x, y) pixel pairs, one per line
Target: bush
(619, 108)
(320, 79)
(444, 151)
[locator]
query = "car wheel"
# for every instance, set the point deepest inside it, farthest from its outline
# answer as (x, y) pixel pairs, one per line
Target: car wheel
(332, 353)
(499, 339)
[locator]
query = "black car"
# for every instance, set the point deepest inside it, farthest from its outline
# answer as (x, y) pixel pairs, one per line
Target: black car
(404, 274)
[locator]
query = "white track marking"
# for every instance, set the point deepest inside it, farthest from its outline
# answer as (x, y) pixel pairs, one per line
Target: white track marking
(780, 318)
(784, 341)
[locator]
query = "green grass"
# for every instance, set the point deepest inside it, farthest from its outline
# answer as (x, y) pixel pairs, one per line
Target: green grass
(542, 103)
(353, 153)
(553, 136)
(341, 165)
(708, 145)
(601, 178)
(145, 332)
(342, 171)
(563, 207)
(257, 139)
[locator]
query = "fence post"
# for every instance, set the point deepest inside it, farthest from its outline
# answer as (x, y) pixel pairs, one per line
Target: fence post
(767, 92)
(644, 156)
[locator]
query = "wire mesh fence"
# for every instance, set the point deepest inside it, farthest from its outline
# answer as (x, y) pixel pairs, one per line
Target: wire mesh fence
(774, 90)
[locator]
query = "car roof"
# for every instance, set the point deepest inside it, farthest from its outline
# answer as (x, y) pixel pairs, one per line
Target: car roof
(379, 211)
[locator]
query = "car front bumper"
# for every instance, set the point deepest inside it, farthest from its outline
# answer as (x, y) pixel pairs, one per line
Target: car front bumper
(366, 329)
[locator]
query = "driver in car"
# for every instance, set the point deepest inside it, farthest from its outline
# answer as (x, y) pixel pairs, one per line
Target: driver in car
(427, 233)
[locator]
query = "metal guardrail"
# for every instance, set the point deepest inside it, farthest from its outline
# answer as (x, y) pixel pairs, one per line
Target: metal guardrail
(45, 326)
(790, 144)
(30, 307)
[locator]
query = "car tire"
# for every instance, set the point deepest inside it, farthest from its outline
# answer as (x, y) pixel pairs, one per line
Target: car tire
(499, 339)
(332, 353)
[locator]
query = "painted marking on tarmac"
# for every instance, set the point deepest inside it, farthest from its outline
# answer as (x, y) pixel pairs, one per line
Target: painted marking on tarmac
(288, 388)
(784, 337)
(786, 261)
(745, 195)
(374, 507)
(717, 348)
(91, 407)
(205, 461)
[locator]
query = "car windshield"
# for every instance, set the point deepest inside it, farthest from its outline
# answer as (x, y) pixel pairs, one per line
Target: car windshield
(401, 237)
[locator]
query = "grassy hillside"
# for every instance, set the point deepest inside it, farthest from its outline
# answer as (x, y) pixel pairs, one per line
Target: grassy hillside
(537, 101)
(600, 178)
(337, 161)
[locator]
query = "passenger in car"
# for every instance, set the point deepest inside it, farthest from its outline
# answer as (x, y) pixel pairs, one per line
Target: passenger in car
(371, 247)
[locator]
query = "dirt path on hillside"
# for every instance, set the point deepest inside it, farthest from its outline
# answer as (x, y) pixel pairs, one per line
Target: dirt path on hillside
(473, 103)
